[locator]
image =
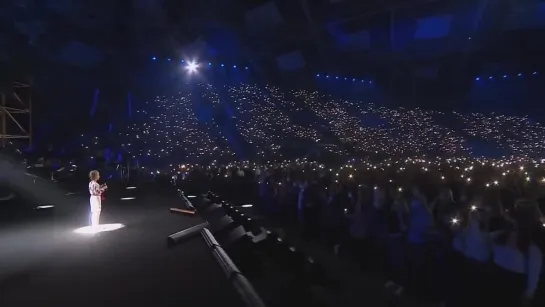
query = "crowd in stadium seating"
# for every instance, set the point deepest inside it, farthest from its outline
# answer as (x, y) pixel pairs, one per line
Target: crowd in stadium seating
(248, 122)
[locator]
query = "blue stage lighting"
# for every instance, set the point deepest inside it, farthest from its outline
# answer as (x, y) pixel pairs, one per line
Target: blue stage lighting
(209, 64)
(336, 77)
(477, 79)
(317, 75)
(246, 67)
(222, 65)
(234, 66)
(344, 78)
(327, 76)
(168, 59)
(505, 76)
(534, 73)
(154, 58)
(353, 79)
(490, 77)
(520, 75)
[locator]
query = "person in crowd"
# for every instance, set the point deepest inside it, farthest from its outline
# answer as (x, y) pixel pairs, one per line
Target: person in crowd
(359, 223)
(517, 260)
(472, 250)
(397, 226)
(444, 210)
(333, 215)
(95, 200)
(493, 214)
(420, 224)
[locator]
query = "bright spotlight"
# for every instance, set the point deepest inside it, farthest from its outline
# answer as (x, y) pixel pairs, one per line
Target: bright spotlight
(130, 188)
(128, 198)
(89, 230)
(191, 67)
(247, 206)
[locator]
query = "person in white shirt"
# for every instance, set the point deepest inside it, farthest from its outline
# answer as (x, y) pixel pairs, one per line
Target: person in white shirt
(517, 259)
(95, 199)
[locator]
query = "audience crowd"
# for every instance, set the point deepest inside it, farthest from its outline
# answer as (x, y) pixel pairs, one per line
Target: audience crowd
(410, 199)
(249, 122)
(458, 232)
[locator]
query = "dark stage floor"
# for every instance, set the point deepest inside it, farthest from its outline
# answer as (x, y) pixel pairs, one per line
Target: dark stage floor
(44, 263)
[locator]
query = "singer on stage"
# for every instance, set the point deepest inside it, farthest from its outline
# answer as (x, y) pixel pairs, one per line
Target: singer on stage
(95, 200)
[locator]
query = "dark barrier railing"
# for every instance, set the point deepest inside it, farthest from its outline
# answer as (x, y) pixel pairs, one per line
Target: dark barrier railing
(243, 287)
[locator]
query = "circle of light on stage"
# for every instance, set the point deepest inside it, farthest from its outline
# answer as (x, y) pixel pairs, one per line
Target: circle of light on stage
(89, 230)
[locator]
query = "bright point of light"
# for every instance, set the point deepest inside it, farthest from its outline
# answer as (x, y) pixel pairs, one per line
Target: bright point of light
(45, 207)
(454, 221)
(247, 206)
(192, 66)
(89, 230)
(191, 196)
(130, 188)
(128, 198)
(473, 208)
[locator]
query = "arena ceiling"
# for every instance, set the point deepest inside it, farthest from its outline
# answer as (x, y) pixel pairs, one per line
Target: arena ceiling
(119, 37)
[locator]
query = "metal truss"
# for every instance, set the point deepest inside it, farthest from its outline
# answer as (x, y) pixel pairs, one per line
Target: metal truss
(15, 113)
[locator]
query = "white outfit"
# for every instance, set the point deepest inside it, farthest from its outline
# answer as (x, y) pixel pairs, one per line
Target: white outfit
(95, 202)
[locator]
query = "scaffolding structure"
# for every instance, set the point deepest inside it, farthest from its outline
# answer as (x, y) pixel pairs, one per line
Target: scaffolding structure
(15, 114)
